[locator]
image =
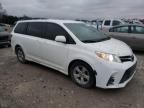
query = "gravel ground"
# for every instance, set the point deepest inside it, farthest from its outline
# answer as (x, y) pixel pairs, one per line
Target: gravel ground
(34, 86)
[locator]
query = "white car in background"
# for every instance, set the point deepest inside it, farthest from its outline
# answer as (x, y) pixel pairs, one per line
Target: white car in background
(108, 23)
(5, 26)
(75, 49)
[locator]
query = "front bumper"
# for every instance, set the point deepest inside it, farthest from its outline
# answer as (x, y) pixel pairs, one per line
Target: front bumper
(120, 85)
(117, 71)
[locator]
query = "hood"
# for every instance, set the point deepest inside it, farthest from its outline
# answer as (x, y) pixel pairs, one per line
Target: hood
(2, 34)
(112, 46)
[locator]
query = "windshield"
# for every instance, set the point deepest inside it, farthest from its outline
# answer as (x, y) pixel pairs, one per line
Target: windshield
(2, 29)
(85, 33)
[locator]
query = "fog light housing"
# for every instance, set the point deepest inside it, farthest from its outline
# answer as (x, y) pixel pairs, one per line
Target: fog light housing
(111, 81)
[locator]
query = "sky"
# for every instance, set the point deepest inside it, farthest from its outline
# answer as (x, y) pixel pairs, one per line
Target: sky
(72, 9)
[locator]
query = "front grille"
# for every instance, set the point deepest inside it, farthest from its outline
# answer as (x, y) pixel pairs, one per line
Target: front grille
(128, 73)
(4, 39)
(126, 58)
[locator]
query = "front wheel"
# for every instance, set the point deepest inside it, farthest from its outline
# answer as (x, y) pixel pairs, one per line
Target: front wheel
(20, 55)
(82, 74)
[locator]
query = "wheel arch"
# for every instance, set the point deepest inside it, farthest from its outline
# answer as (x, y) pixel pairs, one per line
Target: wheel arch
(79, 60)
(17, 46)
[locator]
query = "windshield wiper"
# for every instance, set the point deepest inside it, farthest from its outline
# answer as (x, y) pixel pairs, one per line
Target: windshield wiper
(93, 41)
(89, 41)
(104, 39)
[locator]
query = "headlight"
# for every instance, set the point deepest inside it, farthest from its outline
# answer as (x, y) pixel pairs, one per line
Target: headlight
(108, 57)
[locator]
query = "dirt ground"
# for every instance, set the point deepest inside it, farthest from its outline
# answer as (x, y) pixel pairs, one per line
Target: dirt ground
(34, 86)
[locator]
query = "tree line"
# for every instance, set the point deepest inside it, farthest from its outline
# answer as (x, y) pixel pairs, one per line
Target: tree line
(9, 19)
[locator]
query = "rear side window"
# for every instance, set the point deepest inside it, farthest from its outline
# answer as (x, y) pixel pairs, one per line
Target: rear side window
(35, 29)
(138, 29)
(107, 23)
(122, 29)
(52, 30)
(115, 23)
(21, 28)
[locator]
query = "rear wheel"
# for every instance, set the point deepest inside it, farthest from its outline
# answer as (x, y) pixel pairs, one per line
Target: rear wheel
(82, 74)
(20, 55)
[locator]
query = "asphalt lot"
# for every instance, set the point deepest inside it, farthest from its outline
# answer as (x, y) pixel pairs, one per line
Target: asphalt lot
(34, 86)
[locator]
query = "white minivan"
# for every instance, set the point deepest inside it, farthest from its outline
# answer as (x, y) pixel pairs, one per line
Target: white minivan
(75, 49)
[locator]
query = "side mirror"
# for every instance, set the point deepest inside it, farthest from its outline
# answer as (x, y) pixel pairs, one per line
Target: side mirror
(61, 39)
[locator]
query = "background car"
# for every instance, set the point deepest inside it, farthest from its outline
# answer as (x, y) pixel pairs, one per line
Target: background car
(75, 49)
(131, 34)
(5, 37)
(107, 23)
(5, 26)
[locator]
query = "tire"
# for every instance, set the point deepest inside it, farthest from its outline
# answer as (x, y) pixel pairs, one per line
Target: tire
(20, 55)
(82, 74)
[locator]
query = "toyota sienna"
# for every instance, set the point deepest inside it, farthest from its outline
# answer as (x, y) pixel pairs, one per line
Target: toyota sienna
(75, 49)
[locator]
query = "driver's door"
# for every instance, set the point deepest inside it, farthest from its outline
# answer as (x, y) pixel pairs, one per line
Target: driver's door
(54, 53)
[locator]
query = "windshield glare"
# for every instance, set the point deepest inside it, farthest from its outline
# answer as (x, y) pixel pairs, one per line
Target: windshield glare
(85, 33)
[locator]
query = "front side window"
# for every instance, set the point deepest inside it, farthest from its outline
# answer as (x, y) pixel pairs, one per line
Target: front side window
(107, 23)
(85, 33)
(138, 29)
(35, 29)
(115, 23)
(52, 30)
(123, 29)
